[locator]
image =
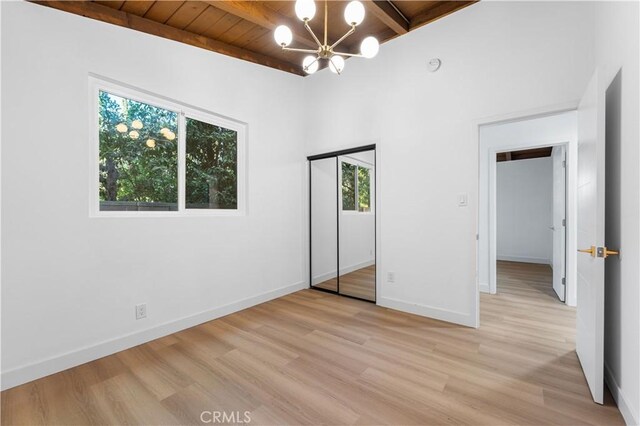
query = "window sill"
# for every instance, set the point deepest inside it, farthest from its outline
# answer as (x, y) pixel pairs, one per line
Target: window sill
(174, 214)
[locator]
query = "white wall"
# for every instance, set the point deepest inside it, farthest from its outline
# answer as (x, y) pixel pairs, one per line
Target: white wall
(617, 47)
(357, 229)
(495, 58)
(324, 220)
(70, 283)
(357, 241)
(545, 130)
(524, 209)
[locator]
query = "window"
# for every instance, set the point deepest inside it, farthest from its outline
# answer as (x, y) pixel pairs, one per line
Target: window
(212, 166)
(155, 155)
(356, 188)
(138, 155)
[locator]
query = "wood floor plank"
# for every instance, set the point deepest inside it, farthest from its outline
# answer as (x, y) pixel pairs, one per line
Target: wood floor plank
(316, 358)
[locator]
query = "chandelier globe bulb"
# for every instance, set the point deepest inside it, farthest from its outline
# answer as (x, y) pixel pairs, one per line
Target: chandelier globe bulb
(369, 47)
(305, 9)
(283, 35)
(310, 64)
(354, 13)
(336, 64)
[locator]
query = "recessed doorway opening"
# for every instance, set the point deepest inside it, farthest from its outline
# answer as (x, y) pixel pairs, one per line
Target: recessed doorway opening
(530, 212)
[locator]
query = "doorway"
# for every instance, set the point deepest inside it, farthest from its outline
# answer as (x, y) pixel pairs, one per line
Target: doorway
(593, 130)
(531, 219)
(555, 135)
(342, 223)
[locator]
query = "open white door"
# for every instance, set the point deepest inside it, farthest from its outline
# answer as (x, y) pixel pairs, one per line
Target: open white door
(591, 169)
(559, 214)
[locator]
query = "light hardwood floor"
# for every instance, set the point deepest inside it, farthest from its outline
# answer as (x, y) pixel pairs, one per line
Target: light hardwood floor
(312, 357)
(360, 283)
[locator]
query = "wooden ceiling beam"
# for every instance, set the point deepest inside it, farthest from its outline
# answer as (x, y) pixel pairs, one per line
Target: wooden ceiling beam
(113, 16)
(440, 11)
(388, 15)
(259, 14)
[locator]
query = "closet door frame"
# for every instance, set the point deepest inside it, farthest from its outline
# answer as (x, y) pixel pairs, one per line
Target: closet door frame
(336, 154)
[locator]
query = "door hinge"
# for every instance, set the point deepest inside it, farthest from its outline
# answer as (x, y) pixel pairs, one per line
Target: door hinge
(564, 280)
(564, 222)
(564, 163)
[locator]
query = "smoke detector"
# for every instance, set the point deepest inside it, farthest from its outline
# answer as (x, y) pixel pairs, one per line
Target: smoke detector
(434, 64)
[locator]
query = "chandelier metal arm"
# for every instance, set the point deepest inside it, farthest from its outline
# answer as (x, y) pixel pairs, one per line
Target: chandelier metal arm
(326, 21)
(352, 55)
(306, 25)
(295, 49)
(347, 34)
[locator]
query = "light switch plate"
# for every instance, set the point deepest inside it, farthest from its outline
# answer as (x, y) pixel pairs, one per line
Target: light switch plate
(463, 199)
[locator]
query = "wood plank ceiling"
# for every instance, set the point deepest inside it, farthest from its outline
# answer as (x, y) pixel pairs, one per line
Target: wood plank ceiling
(244, 29)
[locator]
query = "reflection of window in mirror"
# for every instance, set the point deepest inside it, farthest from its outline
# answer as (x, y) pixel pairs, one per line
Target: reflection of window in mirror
(356, 188)
(349, 186)
(363, 186)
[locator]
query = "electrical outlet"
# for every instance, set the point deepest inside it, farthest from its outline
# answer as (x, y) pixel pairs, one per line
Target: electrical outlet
(141, 311)
(391, 277)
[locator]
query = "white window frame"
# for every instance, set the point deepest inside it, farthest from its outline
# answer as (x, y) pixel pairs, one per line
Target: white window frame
(97, 84)
(363, 165)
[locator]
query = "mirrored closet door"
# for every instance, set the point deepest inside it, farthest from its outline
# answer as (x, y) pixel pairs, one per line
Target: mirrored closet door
(342, 223)
(324, 224)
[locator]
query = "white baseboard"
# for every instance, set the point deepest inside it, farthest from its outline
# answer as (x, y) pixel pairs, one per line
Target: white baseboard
(630, 418)
(347, 269)
(323, 277)
(428, 311)
(27, 373)
(523, 259)
(484, 288)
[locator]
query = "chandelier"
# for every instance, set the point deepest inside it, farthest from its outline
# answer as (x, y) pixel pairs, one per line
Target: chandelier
(306, 10)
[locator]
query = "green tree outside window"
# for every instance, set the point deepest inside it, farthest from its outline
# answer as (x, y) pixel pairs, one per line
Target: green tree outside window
(364, 196)
(348, 186)
(356, 188)
(138, 159)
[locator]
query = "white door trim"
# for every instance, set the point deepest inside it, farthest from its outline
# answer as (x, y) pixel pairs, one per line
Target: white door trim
(571, 176)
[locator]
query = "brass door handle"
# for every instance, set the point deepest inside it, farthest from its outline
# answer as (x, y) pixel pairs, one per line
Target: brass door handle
(599, 252)
(591, 251)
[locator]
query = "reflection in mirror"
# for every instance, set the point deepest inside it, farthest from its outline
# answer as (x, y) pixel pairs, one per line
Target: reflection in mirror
(324, 224)
(357, 225)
